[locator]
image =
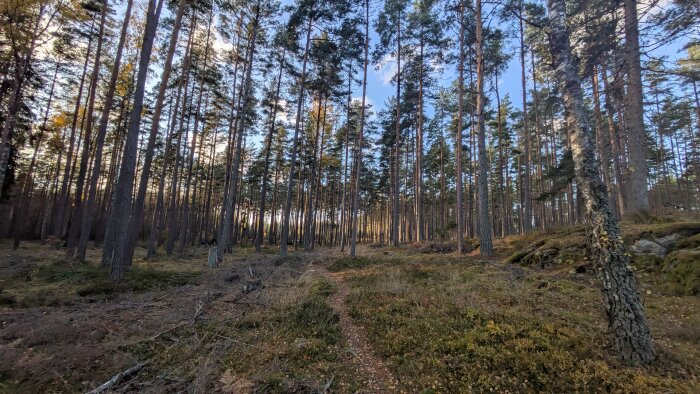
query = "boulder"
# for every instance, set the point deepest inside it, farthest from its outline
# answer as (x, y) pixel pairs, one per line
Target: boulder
(645, 246)
(668, 240)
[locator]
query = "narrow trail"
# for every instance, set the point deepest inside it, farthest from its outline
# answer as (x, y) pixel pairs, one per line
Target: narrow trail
(375, 374)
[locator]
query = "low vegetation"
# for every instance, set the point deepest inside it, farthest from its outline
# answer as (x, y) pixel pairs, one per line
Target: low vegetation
(61, 283)
(524, 321)
(452, 327)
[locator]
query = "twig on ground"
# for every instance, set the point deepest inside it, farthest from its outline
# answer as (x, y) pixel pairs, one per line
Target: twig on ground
(235, 340)
(116, 378)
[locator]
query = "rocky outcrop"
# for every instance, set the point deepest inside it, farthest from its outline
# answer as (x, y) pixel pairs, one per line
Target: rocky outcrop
(645, 246)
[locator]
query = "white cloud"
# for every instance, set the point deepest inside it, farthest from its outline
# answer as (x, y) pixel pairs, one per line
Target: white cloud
(386, 69)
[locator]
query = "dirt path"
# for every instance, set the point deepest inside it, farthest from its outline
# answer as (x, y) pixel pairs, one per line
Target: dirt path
(375, 374)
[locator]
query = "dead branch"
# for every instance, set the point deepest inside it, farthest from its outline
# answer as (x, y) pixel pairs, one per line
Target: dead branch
(118, 377)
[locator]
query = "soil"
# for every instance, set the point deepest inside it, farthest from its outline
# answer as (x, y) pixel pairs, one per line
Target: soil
(372, 370)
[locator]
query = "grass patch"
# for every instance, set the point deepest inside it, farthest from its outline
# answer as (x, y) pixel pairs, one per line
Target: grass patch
(323, 288)
(348, 263)
(292, 348)
(462, 329)
(61, 283)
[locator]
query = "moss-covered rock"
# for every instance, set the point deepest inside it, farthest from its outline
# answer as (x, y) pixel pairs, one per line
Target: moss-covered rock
(681, 270)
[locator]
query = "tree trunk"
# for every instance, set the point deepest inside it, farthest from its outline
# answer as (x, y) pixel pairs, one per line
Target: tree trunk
(126, 253)
(637, 200)
(358, 158)
(295, 141)
(99, 141)
(526, 196)
(118, 224)
(458, 130)
(78, 209)
(227, 210)
(486, 245)
(397, 142)
(627, 323)
(268, 150)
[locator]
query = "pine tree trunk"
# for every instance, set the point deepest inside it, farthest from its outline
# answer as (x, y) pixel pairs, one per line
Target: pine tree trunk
(526, 220)
(268, 150)
(118, 224)
(295, 141)
(397, 142)
(358, 158)
(227, 210)
(458, 130)
(78, 208)
(637, 200)
(62, 208)
(627, 323)
(486, 245)
(126, 253)
(99, 141)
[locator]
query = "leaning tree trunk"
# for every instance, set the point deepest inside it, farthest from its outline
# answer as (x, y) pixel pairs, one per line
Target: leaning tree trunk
(628, 326)
(137, 211)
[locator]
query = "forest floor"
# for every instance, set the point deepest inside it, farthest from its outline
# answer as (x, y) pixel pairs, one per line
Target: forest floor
(418, 318)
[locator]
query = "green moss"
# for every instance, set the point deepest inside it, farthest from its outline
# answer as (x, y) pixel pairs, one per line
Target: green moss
(323, 288)
(347, 263)
(434, 343)
(137, 280)
(691, 242)
(681, 271)
(62, 283)
(315, 318)
(291, 348)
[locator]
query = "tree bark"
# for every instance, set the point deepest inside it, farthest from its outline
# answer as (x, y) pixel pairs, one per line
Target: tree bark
(118, 224)
(78, 209)
(637, 201)
(295, 141)
(358, 158)
(227, 210)
(627, 323)
(485, 243)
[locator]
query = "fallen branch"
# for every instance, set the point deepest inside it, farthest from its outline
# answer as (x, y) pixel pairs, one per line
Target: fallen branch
(116, 378)
(198, 310)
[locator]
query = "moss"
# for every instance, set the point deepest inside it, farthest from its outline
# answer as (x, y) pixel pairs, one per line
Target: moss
(633, 232)
(691, 242)
(62, 283)
(347, 263)
(323, 288)
(466, 330)
(291, 348)
(315, 318)
(681, 271)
